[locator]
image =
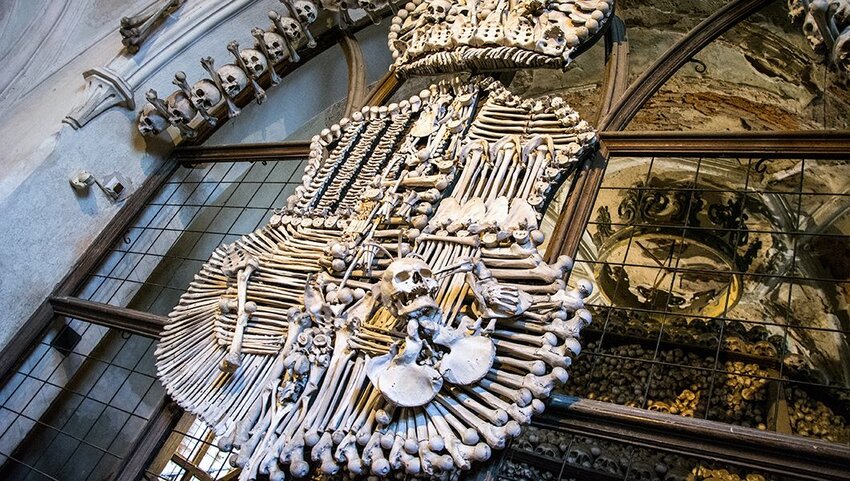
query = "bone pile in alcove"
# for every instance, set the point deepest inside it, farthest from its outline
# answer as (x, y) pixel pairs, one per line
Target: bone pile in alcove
(288, 385)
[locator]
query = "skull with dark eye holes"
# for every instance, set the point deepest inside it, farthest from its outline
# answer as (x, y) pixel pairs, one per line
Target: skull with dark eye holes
(408, 288)
(438, 10)
(306, 10)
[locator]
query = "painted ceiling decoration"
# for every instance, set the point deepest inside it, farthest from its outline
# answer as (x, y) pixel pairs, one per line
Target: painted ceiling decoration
(396, 316)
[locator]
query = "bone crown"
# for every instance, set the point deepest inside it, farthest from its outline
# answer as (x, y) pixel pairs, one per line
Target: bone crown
(438, 36)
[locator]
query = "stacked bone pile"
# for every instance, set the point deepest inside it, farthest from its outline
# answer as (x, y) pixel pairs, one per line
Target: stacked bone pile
(396, 316)
(625, 375)
(236, 82)
(826, 25)
(434, 36)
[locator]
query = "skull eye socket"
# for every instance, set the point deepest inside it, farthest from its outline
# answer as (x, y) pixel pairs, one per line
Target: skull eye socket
(402, 276)
(425, 272)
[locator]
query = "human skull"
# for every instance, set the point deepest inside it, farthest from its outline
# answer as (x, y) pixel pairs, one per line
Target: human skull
(408, 288)
(233, 79)
(180, 108)
(150, 121)
(306, 10)
(291, 28)
(205, 94)
(371, 5)
(276, 46)
(255, 61)
(437, 10)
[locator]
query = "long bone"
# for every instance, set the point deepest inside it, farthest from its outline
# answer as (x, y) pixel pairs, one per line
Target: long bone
(496, 417)
(521, 415)
(535, 153)
(540, 386)
(276, 20)
(506, 151)
(463, 454)
(554, 356)
(259, 93)
(258, 34)
(373, 456)
(536, 367)
(571, 328)
(209, 65)
(428, 458)
(495, 436)
(243, 267)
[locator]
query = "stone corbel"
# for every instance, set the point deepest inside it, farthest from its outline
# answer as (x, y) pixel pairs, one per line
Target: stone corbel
(104, 89)
(115, 84)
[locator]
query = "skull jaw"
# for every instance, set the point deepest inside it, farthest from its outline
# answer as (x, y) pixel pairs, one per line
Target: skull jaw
(419, 307)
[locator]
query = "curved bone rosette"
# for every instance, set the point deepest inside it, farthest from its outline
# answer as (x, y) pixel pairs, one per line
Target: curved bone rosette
(442, 36)
(397, 315)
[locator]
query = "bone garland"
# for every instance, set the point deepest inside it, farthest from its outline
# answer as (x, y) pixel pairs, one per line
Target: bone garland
(438, 36)
(136, 29)
(408, 258)
(289, 31)
(826, 25)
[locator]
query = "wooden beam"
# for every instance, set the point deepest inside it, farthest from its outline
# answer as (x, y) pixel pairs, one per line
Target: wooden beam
(792, 456)
(385, 88)
(269, 152)
(679, 54)
(616, 78)
(356, 74)
(136, 322)
(785, 144)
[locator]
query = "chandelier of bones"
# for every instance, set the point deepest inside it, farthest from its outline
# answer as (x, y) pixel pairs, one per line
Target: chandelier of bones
(396, 316)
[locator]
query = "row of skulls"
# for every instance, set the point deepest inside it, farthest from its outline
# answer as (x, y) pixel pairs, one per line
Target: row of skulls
(289, 31)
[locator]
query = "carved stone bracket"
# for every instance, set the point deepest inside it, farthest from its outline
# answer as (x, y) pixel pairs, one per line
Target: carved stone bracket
(104, 89)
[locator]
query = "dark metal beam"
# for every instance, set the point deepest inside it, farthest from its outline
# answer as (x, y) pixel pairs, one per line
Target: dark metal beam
(784, 144)
(679, 54)
(129, 320)
(270, 152)
(793, 456)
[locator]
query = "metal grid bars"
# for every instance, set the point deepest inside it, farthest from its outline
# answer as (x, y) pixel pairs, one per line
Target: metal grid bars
(722, 288)
(85, 392)
(73, 407)
(194, 212)
(552, 455)
(191, 454)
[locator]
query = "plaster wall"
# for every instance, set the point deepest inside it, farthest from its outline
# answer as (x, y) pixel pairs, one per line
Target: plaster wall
(44, 226)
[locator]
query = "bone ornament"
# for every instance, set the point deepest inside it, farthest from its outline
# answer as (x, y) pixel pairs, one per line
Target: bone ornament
(396, 316)
(437, 36)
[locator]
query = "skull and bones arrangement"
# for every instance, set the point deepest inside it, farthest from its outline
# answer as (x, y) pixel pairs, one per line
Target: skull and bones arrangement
(203, 102)
(438, 36)
(396, 316)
